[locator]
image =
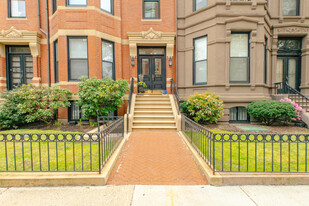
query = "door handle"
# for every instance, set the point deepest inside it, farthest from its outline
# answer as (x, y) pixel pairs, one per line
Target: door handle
(153, 77)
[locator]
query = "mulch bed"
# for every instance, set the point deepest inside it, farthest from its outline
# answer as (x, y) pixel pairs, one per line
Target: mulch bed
(276, 128)
(63, 127)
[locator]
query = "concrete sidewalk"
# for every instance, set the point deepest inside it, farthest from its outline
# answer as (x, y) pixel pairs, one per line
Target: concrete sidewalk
(156, 196)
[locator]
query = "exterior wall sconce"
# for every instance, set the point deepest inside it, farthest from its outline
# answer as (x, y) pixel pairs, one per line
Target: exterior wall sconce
(132, 61)
(170, 62)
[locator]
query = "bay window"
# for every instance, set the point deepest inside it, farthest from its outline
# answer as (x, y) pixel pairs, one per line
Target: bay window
(200, 61)
(239, 58)
(108, 59)
(77, 57)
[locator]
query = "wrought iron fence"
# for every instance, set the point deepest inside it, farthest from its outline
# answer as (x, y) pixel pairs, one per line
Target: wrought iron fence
(110, 138)
(55, 152)
(237, 152)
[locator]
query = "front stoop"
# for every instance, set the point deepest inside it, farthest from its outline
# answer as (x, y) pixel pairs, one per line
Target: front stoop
(220, 179)
(50, 179)
(153, 112)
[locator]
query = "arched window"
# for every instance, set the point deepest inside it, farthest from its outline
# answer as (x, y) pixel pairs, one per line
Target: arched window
(239, 115)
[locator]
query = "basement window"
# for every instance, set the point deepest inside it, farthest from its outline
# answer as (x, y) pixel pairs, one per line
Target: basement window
(239, 115)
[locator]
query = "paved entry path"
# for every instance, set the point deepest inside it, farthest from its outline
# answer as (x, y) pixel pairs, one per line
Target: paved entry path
(156, 158)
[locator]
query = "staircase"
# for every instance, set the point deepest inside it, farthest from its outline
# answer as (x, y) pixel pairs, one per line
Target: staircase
(153, 113)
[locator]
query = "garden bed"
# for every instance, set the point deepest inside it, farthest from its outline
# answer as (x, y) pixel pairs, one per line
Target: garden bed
(51, 128)
(276, 128)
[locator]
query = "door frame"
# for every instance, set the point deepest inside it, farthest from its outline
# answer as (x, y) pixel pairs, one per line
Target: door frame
(285, 54)
(8, 63)
(139, 62)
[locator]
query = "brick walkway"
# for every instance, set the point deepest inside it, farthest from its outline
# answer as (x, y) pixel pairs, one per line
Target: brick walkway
(156, 158)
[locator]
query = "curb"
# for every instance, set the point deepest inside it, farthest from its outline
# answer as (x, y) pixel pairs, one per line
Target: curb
(39, 179)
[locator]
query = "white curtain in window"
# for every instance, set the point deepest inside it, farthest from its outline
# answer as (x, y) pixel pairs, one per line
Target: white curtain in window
(77, 2)
(106, 5)
(18, 8)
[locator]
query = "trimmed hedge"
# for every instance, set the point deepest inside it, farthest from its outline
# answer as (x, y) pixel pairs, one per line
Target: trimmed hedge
(270, 111)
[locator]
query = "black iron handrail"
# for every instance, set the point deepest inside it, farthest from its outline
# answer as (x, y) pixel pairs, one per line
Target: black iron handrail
(130, 95)
(294, 95)
(174, 91)
(130, 101)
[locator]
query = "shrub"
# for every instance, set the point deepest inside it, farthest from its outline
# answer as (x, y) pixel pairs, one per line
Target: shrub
(297, 108)
(101, 94)
(28, 104)
(184, 107)
(206, 107)
(269, 111)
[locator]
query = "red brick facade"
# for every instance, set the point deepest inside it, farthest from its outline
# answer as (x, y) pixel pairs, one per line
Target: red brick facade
(88, 21)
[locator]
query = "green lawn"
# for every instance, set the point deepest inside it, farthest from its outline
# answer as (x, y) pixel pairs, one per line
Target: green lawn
(51, 156)
(252, 156)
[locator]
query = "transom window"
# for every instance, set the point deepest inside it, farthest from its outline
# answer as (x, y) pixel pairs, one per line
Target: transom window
(77, 2)
(200, 61)
(290, 7)
(108, 59)
(239, 114)
(107, 5)
(17, 8)
(151, 9)
(77, 57)
(239, 58)
(199, 4)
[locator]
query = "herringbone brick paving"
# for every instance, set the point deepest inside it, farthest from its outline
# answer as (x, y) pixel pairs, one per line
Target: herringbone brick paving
(156, 158)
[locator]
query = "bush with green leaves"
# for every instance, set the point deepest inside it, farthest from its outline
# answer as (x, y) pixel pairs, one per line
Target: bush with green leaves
(205, 107)
(270, 111)
(101, 94)
(28, 104)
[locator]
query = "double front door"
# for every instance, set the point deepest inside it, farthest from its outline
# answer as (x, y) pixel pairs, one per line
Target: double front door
(152, 71)
(288, 68)
(20, 66)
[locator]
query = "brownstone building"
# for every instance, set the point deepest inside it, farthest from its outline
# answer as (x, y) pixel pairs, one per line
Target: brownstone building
(241, 48)
(96, 38)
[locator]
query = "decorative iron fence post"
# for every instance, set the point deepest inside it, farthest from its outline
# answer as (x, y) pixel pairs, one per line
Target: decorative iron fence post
(213, 155)
(99, 146)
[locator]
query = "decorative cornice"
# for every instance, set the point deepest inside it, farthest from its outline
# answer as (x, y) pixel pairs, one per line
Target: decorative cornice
(31, 38)
(151, 38)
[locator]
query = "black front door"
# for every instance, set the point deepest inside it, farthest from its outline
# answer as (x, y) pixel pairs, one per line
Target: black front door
(289, 62)
(151, 70)
(20, 67)
(288, 71)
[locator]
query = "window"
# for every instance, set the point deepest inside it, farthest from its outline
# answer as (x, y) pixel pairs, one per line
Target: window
(200, 61)
(108, 6)
(77, 57)
(239, 114)
(54, 6)
(151, 9)
(17, 8)
(108, 59)
(75, 112)
(290, 7)
(265, 61)
(199, 4)
(239, 58)
(76, 2)
(56, 61)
